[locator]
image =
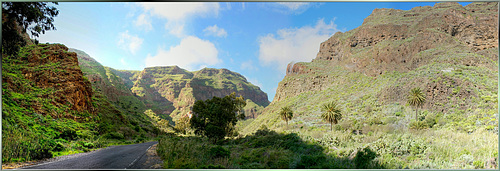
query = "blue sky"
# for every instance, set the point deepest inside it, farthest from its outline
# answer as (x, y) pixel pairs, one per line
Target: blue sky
(255, 39)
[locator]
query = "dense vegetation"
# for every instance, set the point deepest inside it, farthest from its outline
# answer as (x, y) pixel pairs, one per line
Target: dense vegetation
(36, 126)
(352, 121)
(215, 118)
(262, 150)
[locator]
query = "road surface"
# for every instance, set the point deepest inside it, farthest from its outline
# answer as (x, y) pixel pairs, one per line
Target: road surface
(114, 157)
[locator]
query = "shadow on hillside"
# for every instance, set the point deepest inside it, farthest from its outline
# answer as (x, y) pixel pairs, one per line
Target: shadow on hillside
(264, 149)
(303, 154)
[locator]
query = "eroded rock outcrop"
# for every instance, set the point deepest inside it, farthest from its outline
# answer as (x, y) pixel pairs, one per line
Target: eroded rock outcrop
(401, 35)
(53, 67)
(391, 40)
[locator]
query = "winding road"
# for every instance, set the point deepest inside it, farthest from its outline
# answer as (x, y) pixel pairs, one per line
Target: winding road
(113, 157)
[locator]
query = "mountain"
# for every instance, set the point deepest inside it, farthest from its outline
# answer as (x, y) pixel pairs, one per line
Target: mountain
(50, 108)
(171, 90)
(168, 91)
(449, 51)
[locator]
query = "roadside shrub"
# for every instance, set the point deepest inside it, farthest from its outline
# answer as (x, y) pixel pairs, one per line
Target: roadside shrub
(58, 146)
(219, 152)
(311, 161)
(211, 166)
(88, 144)
(364, 158)
(114, 135)
(68, 134)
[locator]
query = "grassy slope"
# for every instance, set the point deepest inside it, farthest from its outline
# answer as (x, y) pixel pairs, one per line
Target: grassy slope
(124, 103)
(466, 112)
(28, 135)
(384, 121)
(171, 83)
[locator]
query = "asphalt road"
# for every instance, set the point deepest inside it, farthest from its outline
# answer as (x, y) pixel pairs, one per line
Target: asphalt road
(114, 157)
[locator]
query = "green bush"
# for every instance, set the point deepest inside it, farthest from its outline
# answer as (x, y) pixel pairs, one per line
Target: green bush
(219, 152)
(364, 158)
(478, 164)
(68, 134)
(418, 125)
(59, 146)
(211, 166)
(311, 161)
(114, 135)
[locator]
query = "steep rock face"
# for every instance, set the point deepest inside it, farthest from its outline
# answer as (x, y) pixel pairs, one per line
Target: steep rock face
(176, 89)
(53, 67)
(448, 51)
(397, 40)
(209, 82)
(102, 78)
(403, 34)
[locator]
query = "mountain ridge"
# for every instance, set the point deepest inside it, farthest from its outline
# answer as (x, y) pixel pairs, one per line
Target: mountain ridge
(170, 91)
(449, 51)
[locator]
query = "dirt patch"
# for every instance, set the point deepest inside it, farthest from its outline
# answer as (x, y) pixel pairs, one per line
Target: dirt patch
(153, 161)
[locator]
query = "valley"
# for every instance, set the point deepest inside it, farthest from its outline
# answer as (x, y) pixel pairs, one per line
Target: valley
(58, 101)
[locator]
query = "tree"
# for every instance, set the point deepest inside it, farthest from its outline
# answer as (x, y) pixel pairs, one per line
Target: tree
(182, 124)
(416, 98)
(331, 113)
(35, 17)
(215, 118)
(286, 114)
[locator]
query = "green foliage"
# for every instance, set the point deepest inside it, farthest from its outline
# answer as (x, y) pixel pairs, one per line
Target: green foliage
(416, 98)
(478, 164)
(36, 126)
(286, 114)
(36, 17)
(331, 113)
(418, 125)
(215, 117)
(219, 152)
(182, 125)
(263, 150)
(364, 158)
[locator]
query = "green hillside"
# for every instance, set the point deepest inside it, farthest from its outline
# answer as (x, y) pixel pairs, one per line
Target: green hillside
(49, 108)
(457, 126)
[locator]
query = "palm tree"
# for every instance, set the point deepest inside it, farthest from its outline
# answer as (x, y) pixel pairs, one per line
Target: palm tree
(416, 98)
(286, 114)
(331, 113)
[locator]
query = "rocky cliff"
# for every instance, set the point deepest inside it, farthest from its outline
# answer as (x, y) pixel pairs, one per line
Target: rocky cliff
(448, 50)
(52, 67)
(101, 77)
(172, 90)
(397, 40)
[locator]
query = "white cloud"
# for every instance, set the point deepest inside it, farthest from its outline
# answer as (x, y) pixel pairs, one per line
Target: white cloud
(129, 42)
(291, 7)
(255, 82)
(192, 53)
(176, 28)
(143, 21)
(215, 31)
(181, 10)
(123, 62)
(294, 44)
(294, 5)
(248, 65)
(177, 13)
